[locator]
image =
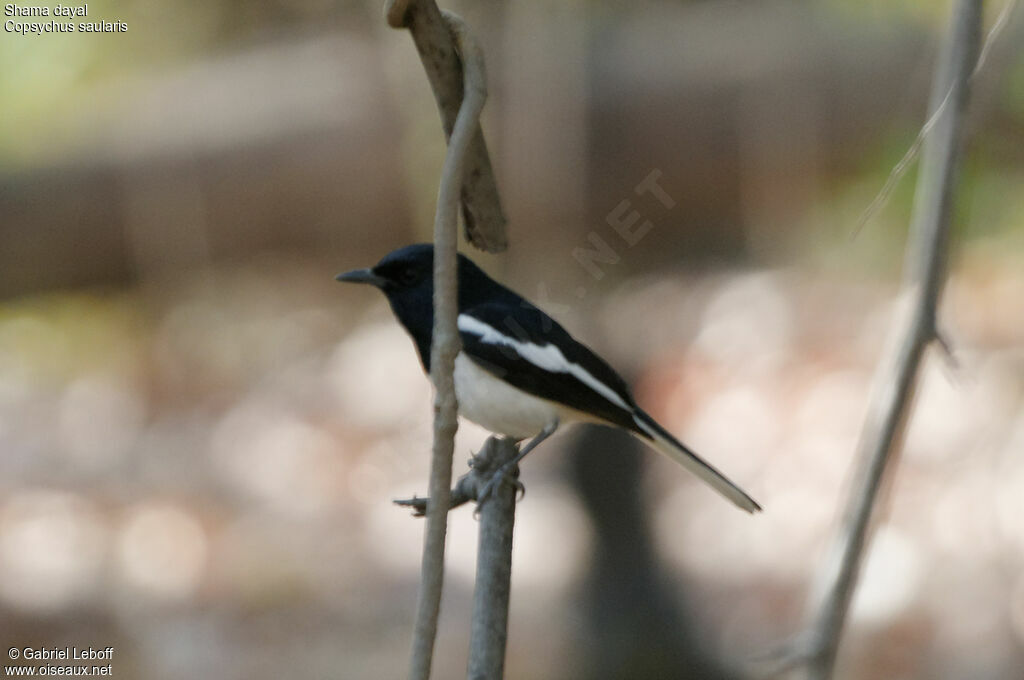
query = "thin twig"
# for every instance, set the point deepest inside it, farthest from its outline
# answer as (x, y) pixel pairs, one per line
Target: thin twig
(925, 273)
(444, 348)
(484, 218)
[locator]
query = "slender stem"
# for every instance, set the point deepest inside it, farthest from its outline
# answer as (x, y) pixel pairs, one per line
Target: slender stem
(925, 273)
(444, 348)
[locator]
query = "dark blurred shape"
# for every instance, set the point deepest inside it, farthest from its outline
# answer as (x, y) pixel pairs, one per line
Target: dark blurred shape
(636, 626)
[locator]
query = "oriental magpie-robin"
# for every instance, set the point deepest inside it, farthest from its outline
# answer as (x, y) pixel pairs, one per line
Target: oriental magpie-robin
(519, 373)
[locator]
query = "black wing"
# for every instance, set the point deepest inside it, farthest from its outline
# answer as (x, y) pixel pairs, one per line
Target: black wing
(529, 350)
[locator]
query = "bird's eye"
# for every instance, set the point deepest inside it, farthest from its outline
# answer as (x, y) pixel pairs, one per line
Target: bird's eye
(408, 275)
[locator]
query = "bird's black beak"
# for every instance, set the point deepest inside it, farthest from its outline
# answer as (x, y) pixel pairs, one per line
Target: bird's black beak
(362, 276)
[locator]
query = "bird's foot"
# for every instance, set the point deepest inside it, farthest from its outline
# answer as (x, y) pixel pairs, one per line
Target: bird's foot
(479, 483)
(503, 474)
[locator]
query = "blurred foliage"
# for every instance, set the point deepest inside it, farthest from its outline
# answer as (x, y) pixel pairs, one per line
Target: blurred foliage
(1014, 88)
(988, 207)
(51, 338)
(928, 13)
(41, 76)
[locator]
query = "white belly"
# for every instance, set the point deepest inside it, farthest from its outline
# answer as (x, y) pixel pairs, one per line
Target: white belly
(497, 406)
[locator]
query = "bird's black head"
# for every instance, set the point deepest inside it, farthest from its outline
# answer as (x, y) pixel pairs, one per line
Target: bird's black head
(406, 277)
(409, 273)
(401, 271)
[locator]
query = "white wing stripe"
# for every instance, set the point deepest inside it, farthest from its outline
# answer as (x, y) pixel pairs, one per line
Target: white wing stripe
(546, 357)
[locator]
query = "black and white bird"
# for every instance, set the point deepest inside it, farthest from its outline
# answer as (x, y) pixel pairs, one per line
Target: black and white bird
(519, 373)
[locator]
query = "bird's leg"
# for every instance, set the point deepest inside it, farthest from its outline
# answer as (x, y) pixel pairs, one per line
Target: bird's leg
(504, 470)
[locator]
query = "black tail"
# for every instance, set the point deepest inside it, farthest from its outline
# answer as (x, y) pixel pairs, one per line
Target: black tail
(664, 442)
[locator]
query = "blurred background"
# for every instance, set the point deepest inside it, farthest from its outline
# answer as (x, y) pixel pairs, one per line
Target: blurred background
(201, 432)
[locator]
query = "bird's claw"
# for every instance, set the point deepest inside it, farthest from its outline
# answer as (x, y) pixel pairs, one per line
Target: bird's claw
(496, 479)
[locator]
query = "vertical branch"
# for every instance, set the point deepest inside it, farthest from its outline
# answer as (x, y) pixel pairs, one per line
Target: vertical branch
(493, 565)
(460, 90)
(444, 348)
(925, 272)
